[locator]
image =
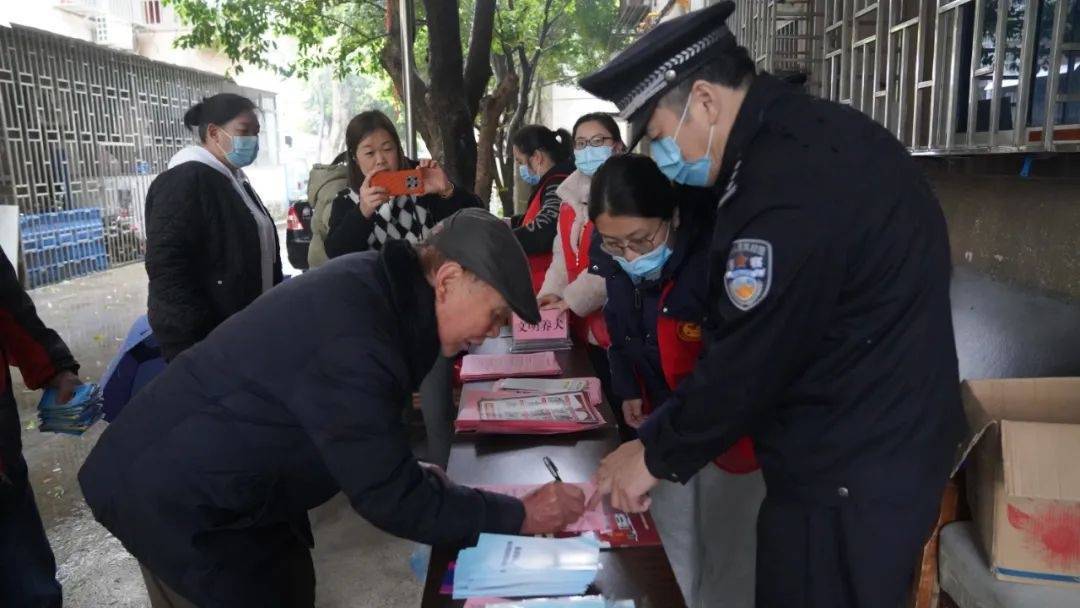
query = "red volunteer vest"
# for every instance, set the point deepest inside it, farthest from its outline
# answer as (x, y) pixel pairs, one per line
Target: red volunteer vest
(680, 344)
(575, 265)
(539, 262)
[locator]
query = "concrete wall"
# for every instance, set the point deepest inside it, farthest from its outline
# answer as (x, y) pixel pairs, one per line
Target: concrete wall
(1021, 230)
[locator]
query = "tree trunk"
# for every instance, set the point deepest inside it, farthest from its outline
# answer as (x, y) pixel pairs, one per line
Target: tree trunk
(446, 95)
(491, 110)
(338, 119)
(391, 61)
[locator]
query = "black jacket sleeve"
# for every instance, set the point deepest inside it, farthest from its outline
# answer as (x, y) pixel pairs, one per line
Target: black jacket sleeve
(37, 350)
(350, 405)
(538, 235)
(179, 310)
(752, 355)
(461, 198)
(442, 208)
(623, 381)
(349, 229)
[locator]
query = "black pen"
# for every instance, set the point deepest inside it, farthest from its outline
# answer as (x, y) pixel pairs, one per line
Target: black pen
(554, 470)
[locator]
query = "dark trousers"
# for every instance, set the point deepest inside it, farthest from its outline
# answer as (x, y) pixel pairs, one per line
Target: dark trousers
(28, 573)
(854, 554)
(599, 360)
(255, 567)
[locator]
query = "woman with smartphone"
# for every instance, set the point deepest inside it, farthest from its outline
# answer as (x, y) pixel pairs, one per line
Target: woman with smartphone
(365, 216)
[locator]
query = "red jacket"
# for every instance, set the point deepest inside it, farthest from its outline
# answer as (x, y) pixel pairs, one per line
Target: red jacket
(536, 229)
(577, 263)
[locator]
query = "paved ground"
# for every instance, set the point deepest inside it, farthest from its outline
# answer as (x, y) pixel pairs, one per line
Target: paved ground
(356, 564)
(1001, 330)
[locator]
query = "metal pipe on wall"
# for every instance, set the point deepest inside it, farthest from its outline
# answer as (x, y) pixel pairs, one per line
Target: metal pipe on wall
(405, 18)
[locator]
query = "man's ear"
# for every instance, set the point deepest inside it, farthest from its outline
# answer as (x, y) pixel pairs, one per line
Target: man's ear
(705, 93)
(447, 277)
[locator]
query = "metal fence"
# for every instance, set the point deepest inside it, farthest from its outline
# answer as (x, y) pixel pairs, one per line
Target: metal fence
(83, 128)
(945, 76)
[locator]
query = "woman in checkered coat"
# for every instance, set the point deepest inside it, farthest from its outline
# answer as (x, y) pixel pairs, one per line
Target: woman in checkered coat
(365, 217)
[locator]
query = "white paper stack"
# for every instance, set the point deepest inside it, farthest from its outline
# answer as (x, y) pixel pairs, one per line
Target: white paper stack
(501, 565)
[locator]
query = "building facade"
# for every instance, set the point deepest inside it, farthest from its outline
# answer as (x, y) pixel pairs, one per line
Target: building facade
(85, 126)
(945, 76)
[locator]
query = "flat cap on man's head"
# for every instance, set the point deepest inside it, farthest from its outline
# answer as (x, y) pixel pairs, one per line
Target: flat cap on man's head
(485, 246)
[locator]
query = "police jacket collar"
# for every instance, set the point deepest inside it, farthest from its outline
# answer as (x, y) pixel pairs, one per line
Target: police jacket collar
(413, 301)
(693, 212)
(765, 90)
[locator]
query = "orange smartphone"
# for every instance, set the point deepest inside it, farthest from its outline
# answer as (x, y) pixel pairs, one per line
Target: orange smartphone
(400, 183)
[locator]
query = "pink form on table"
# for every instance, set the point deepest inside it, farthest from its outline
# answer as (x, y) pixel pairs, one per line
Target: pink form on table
(508, 365)
(593, 520)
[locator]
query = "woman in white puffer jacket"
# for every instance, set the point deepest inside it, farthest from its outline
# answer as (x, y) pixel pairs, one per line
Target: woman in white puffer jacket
(568, 285)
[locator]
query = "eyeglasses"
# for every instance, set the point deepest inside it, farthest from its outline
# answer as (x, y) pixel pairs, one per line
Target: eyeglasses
(595, 142)
(640, 246)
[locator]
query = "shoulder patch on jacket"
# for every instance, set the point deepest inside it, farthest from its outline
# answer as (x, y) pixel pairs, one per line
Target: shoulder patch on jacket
(749, 272)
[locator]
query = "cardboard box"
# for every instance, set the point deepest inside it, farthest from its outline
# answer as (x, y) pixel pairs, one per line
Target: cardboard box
(1023, 457)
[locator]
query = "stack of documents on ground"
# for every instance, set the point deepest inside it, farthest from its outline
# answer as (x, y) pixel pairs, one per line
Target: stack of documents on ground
(581, 601)
(551, 333)
(612, 527)
(477, 368)
(73, 417)
(552, 386)
(509, 412)
(501, 565)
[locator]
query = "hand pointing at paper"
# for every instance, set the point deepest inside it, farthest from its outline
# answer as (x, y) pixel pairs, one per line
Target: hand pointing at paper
(552, 507)
(624, 476)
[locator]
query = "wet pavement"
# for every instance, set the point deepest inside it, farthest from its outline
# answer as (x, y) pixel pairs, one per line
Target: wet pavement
(1001, 331)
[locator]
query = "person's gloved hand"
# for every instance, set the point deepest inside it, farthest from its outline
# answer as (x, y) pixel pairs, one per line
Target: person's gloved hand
(552, 507)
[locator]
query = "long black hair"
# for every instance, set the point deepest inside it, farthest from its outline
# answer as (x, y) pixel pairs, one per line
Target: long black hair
(631, 185)
(559, 145)
(216, 110)
(605, 121)
(362, 125)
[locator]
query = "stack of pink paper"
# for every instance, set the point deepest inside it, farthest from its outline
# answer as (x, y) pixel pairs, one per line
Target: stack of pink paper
(509, 412)
(477, 368)
(613, 528)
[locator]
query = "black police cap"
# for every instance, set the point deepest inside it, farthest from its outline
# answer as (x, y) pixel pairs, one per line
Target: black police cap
(659, 61)
(485, 246)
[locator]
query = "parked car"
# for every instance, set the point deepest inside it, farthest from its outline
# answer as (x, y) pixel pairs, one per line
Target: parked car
(298, 233)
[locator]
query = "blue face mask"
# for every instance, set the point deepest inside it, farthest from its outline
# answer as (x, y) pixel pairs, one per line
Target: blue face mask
(528, 176)
(244, 149)
(645, 267)
(669, 158)
(589, 159)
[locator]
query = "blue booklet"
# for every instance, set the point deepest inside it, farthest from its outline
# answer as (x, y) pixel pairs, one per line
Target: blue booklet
(502, 565)
(73, 417)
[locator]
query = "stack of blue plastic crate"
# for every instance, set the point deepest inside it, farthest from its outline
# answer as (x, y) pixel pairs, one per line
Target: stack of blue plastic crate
(62, 245)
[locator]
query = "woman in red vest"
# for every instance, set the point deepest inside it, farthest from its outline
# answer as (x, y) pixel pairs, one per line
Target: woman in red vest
(568, 285)
(651, 247)
(544, 161)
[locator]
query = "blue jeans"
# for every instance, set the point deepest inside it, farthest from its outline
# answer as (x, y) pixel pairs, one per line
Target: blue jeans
(28, 574)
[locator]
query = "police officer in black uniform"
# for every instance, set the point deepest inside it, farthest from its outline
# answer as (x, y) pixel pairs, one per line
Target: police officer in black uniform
(830, 337)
